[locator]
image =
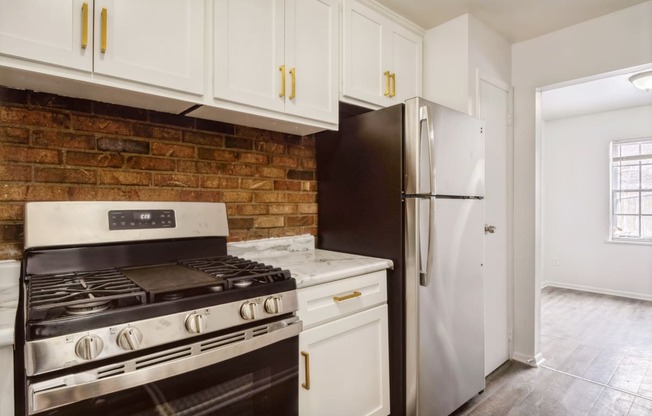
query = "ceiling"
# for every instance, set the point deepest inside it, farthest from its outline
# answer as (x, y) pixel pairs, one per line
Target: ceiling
(515, 20)
(605, 94)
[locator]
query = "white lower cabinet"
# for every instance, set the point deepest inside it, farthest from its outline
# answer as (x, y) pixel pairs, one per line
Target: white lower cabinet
(7, 380)
(344, 361)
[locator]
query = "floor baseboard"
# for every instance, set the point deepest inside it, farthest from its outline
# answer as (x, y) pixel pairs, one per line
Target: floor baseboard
(602, 291)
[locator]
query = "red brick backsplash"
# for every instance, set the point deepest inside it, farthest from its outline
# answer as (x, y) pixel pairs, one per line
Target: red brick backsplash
(59, 148)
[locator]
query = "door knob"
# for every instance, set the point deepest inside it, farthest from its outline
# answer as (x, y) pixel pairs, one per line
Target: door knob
(489, 229)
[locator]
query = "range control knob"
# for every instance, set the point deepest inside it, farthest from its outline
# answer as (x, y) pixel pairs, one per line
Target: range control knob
(249, 310)
(130, 338)
(273, 305)
(195, 323)
(89, 347)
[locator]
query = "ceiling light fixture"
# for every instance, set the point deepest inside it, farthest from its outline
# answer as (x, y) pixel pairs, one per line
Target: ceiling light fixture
(642, 81)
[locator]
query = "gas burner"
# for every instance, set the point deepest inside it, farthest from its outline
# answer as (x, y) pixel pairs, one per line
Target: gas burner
(166, 297)
(89, 308)
(52, 296)
(237, 272)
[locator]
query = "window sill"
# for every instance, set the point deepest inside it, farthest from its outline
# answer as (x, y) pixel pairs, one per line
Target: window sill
(629, 242)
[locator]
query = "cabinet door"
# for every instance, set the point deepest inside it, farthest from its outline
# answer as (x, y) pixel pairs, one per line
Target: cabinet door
(348, 362)
(311, 53)
(157, 42)
(48, 31)
(405, 63)
(364, 61)
(249, 52)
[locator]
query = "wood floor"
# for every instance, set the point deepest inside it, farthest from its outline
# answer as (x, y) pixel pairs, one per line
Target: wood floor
(598, 361)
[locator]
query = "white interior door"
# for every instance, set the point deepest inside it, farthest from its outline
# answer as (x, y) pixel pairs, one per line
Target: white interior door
(494, 109)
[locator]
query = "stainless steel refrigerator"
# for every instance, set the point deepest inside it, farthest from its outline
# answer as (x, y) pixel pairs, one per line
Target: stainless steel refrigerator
(407, 183)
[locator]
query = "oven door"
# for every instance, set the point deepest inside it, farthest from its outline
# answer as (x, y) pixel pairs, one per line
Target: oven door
(251, 372)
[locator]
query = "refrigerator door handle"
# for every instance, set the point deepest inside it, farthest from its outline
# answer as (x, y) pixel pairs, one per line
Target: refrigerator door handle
(426, 177)
(425, 146)
(425, 239)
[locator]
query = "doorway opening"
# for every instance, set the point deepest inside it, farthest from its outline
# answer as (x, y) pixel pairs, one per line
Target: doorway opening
(596, 293)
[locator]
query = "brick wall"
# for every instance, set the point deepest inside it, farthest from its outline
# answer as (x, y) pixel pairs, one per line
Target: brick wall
(57, 148)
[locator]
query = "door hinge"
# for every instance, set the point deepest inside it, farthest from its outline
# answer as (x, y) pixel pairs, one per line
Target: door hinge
(510, 119)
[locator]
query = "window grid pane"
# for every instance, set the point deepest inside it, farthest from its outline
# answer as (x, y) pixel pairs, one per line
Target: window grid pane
(631, 190)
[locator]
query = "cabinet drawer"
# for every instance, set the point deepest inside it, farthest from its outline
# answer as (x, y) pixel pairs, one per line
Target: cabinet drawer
(333, 300)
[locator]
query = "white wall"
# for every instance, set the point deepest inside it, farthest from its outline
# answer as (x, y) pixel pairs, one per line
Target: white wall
(619, 40)
(489, 53)
(575, 198)
(453, 52)
(446, 64)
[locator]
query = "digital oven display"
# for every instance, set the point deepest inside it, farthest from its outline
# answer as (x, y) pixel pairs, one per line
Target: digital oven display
(141, 219)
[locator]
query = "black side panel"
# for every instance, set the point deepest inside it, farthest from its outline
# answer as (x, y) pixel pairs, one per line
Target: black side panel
(360, 184)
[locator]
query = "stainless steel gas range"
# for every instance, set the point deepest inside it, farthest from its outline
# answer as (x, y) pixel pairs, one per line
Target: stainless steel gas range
(134, 308)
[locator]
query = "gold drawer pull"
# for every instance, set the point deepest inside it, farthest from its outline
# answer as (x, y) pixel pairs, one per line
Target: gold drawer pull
(306, 357)
(393, 77)
(347, 297)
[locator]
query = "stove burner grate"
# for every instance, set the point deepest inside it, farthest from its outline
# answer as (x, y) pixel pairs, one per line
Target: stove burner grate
(80, 293)
(238, 272)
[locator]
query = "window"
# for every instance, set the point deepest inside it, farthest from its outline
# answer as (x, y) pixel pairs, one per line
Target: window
(631, 190)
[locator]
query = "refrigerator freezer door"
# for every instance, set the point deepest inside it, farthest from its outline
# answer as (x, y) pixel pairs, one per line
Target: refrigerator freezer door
(451, 309)
(444, 151)
(458, 153)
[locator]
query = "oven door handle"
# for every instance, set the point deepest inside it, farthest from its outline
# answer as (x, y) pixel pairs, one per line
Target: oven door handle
(61, 391)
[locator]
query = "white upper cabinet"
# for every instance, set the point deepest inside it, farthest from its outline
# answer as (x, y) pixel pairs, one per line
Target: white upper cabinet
(278, 55)
(157, 42)
(55, 32)
(154, 42)
(405, 64)
(311, 51)
(381, 58)
(249, 52)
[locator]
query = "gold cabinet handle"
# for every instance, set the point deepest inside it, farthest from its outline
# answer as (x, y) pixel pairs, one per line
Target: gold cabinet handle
(84, 36)
(306, 358)
(347, 297)
(293, 88)
(282, 69)
(103, 25)
(386, 73)
(393, 77)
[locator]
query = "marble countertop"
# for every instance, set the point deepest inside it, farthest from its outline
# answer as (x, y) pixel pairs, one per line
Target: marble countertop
(309, 266)
(9, 277)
